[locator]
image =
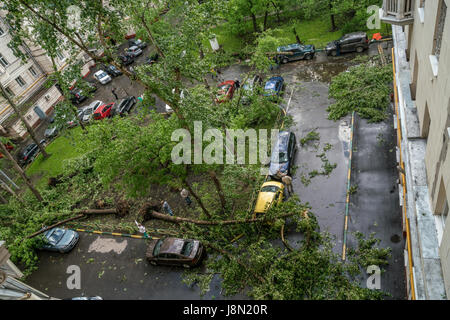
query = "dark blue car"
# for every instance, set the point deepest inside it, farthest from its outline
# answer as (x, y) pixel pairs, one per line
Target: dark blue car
(60, 240)
(283, 153)
(274, 87)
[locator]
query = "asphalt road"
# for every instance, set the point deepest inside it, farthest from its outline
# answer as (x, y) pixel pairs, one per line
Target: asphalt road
(122, 275)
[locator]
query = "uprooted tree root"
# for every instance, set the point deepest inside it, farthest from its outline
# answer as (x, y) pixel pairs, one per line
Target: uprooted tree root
(122, 208)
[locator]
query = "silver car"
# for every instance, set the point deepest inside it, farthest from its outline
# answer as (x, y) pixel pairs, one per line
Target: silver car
(102, 77)
(88, 111)
(134, 51)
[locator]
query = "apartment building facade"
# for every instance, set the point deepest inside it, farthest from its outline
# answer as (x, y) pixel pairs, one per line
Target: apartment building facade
(26, 81)
(421, 32)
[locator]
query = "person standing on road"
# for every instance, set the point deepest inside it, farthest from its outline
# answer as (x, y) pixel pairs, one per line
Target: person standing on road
(287, 181)
(185, 195)
(114, 93)
(166, 208)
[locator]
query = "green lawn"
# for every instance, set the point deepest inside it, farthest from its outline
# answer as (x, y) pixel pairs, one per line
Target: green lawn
(60, 149)
(315, 31)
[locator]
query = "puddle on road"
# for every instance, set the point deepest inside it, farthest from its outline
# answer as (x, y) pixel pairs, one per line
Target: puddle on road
(103, 245)
(395, 238)
(321, 72)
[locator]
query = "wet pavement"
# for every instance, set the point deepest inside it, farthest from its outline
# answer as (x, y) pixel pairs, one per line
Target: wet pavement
(374, 207)
(114, 268)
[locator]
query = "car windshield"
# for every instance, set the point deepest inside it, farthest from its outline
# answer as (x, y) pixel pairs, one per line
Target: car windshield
(270, 86)
(55, 236)
(157, 247)
(282, 157)
(272, 189)
(187, 248)
(88, 111)
(101, 75)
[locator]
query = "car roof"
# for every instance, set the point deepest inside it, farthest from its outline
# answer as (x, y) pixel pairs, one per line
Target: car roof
(133, 48)
(359, 34)
(275, 79)
(172, 245)
(290, 47)
(99, 72)
(283, 139)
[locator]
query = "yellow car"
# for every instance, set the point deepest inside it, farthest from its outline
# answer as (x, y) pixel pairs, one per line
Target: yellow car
(271, 192)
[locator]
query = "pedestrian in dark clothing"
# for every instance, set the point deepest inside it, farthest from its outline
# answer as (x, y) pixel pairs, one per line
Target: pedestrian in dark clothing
(114, 93)
(238, 84)
(185, 195)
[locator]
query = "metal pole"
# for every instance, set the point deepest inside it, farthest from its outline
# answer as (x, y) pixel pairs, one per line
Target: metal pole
(9, 179)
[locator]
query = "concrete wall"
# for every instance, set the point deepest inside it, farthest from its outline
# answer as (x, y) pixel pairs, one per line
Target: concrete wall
(433, 108)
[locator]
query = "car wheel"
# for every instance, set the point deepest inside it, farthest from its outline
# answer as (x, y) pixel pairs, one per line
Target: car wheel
(308, 57)
(359, 49)
(285, 60)
(334, 53)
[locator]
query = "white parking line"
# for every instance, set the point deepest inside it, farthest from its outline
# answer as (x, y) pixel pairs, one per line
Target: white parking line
(289, 102)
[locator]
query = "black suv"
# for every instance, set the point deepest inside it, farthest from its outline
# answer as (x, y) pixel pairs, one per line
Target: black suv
(125, 105)
(29, 153)
(126, 59)
(112, 70)
(77, 96)
(356, 41)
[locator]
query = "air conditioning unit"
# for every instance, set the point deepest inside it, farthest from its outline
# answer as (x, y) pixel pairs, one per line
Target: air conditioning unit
(47, 97)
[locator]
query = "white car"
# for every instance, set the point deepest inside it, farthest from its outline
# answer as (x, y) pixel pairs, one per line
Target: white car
(102, 77)
(88, 111)
(168, 108)
(134, 51)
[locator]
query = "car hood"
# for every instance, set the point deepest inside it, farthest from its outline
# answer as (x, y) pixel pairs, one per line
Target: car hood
(265, 199)
(274, 167)
(331, 45)
(68, 236)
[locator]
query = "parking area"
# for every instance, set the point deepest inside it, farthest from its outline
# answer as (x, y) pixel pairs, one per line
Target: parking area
(115, 268)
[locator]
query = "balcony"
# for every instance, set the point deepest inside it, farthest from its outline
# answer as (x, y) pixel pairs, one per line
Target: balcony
(398, 12)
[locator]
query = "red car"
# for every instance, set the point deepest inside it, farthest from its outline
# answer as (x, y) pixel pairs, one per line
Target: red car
(9, 147)
(226, 91)
(104, 111)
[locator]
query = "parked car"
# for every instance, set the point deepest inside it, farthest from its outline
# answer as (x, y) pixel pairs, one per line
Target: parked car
(126, 59)
(9, 147)
(102, 77)
(152, 59)
(175, 252)
(134, 51)
(137, 43)
(29, 153)
(104, 111)
(168, 107)
(274, 87)
(60, 240)
(86, 298)
(125, 105)
(51, 132)
(225, 91)
(112, 70)
(356, 41)
(76, 96)
(298, 52)
(283, 153)
(271, 193)
(88, 111)
(249, 86)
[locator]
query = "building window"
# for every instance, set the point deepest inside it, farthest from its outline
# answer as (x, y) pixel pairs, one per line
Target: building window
(442, 13)
(60, 56)
(3, 61)
(2, 32)
(32, 71)
(422, 4)
(20, 81)
(9, 91)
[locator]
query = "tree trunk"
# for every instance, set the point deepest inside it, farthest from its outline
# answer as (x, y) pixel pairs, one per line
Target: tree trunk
(27, 126)
(199, 200)
(219, 189)
(174, 219)
(265, 19)
(255, 24)
(297, 38)
(277, 11)
(14, 193)
(21, 172)
(333, 22)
